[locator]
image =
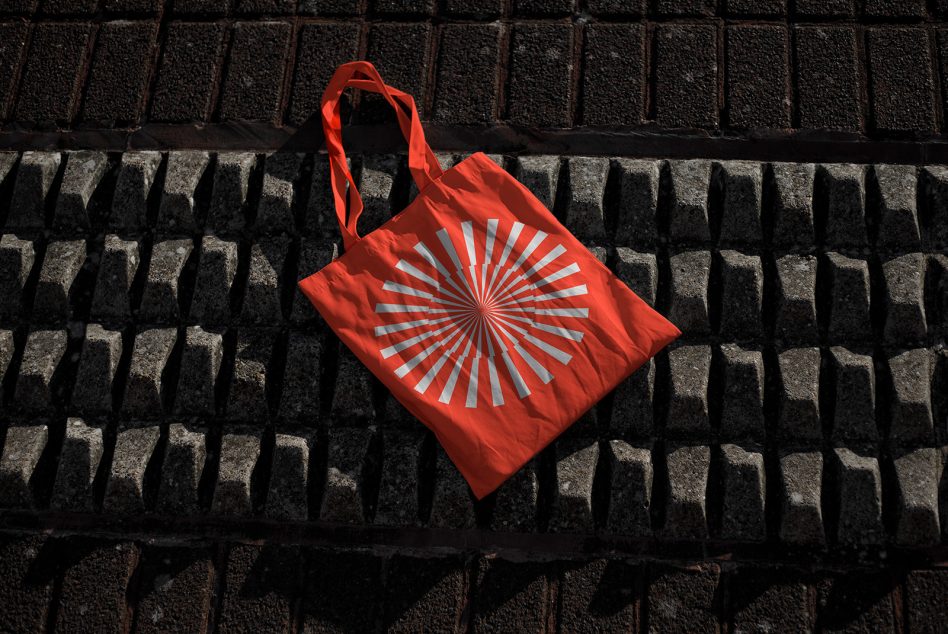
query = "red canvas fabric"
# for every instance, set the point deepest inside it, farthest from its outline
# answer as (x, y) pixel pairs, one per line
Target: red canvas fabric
(483, 315)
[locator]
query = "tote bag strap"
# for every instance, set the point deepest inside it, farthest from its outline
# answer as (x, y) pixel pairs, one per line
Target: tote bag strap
(421, 160)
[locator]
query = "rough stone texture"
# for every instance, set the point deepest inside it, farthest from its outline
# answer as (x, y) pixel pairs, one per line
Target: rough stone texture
(177, 214)
(509, 595)
(856, 601)
(687, 76)
(161, 301)
(174, 576)
(314, 255)
(342, 499)
(758, 81)
(898, 209)
(424, 594)
(742, 408)
(376, 187)
(685, 513)
(742, 296)
(275, 207)
(122, 59)
(342, 586)
(136, 175)
(200, 364)
(229, 195)
(14, 35)
(85, 603)
(683, 595)
(34, 178)
(62, 263)
(638, 202)
(905, 320)
(238, 456)
(917, 474)
(924, 592)
(744, 493)
(689, 201)
(98, 364)
(144, 388)
(846, 204)
(855, 396)
(181, 470)
(539, 87)
(400, 53)
(937, 182)
(300, 399)
(799, 405)
(321, 48)
(849, 318)
(688, 399)
(215, 277)
(78, 462)
(827, 76)
(6, 352)
(260, 586)
(801, 475)
(286, 497)
(614, 85)
(29, 570)
(262, 298)
(795, 312)
(539, 174)
(599, 595)
(632, 412)
(516, 501)
(398, 490)
(451, 505)
(631, 486)
(860, 498)
(793, 203)
(352, 397)
(690, 274)
(769, 599)
(50, 88)
(902, 82)
(910, 401)
(21, 453)
(81, 176)
(572, 510)
(187, 72)
(125, 492)
(585, 217)
(36, 388)
(743, 185)
(118, 264)
(16, 261)
(247, 399)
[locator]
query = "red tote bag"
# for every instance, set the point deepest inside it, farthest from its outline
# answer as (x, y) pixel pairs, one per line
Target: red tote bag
(490, 322)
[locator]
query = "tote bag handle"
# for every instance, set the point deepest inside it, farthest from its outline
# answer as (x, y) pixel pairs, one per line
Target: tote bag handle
(421, 160)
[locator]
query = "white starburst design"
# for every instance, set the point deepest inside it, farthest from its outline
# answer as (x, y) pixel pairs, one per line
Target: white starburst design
(469, 318)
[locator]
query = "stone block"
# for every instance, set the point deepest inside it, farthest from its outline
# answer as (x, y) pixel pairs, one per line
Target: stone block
(260, 588)
(793, 204)
(161, 301)
(510, 593)
(745, 490)
(846, 205)
(639, 271)
(686, 71)
(515, 508)
(918, 473)
(78, 463)
(631, 501)
(177, 214)
(680, 595)
(910, 402)
(200, 364)
(16, 261)
(452, 505)
(466, 79)
(860, 498)
(849, 318)
(742, 411)
(855, 396)
(216, 270)
(585, 216)
(34, 178)
(275, 207)
(799, 404)
(251, 90)
(572, 510)
(898, 209)
(638, 201)
(289, 476)
(36, 388)
(795, 311)
(398, 489)
(145, 389)
(689, 367)
(82, 174)
(136, 175)
(905, 320)
(233, 493)
(688, 309)
(101, 352)
(539, 174)
(179, 576)
(181, 470)
(247, 399)
(742, 296)
(924, 592)
(352, 398)
(801, 517)
(314, 255)
(61, 265)
(743, 186)
(125, 492)
(227, 213)
(299, 401)
(118, 265)
(342, 498)
(632, 411)
(6, 352)
(21, 454)
(690, 182)
(686, 510)
(263, 295)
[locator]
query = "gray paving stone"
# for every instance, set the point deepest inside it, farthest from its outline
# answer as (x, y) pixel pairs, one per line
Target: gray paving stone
(855, 396)
(905, 320)
(262, 297)
(247, 400)
(632, 411)
(275, 208)
(683, 596)
(376, 186)
(937, 181)
(638, 201)
(342, 498)
(917, 474)
(320, 219)
(898, 209)
(229, 196)
(6, 353)
(160, 301)
(585, 217)
(287, 497)
(742, 296)
(125, 492)
(639, 271)
(846, 204)
(689, 367)
(743, 186)
(82, 174)
(144, 389)
(177, 213)
(16, 261)
(352, 396)
(631, 498)
(78, 462)
(690, 181)
(181, 470)
(61, 265)
(101, 352)
(690, 272)
(452, 505)
(216, 270)
(136, 175)
(745, 492)
(515, 507)
(300, 400)
(793, 203)
(314, 255)
(200, 364)
(398, 489)
(860, 498)
(742, 412)
(21, 453)
(799, 405)
(238, 457)
(849, 313)
(35, 388)
(7, 161)
(118, 265)
(801, 477)
(34, 177)
(539, 174)
(685, 513)
(795, 314)
(910, 403)
(572, 508)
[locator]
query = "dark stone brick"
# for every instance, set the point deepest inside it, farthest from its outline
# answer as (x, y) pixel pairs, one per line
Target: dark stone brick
(896, 8)
(94, 582)
(683, 599)
(322, 48)
(924, 593)
(266, 7)
(187, 73)
(330, 7)
(400, 53)
(19, 7)
(252, 89)
(686, 7)
(510, 595)
(343, 591)
(633, 8)
(856, 602)
(260, 587)
(403, 7)
(901, 80)
(761, 8)
(614, 80)
(824, 8)
(764, 600)
(474, 8)
(599, 596)
(12, 41)
(758, 83)
(687, 76)
(68, 7)
(174, 590)
(120, 69)
(27, 567)
(827, 77)
(51, 87)
(539, 85)
(466, 89)
(134, 7)
(203, 8)
(543, 7)
(424, 594)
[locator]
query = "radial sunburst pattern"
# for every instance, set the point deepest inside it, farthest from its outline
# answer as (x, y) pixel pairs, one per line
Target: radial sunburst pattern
(483, 313)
